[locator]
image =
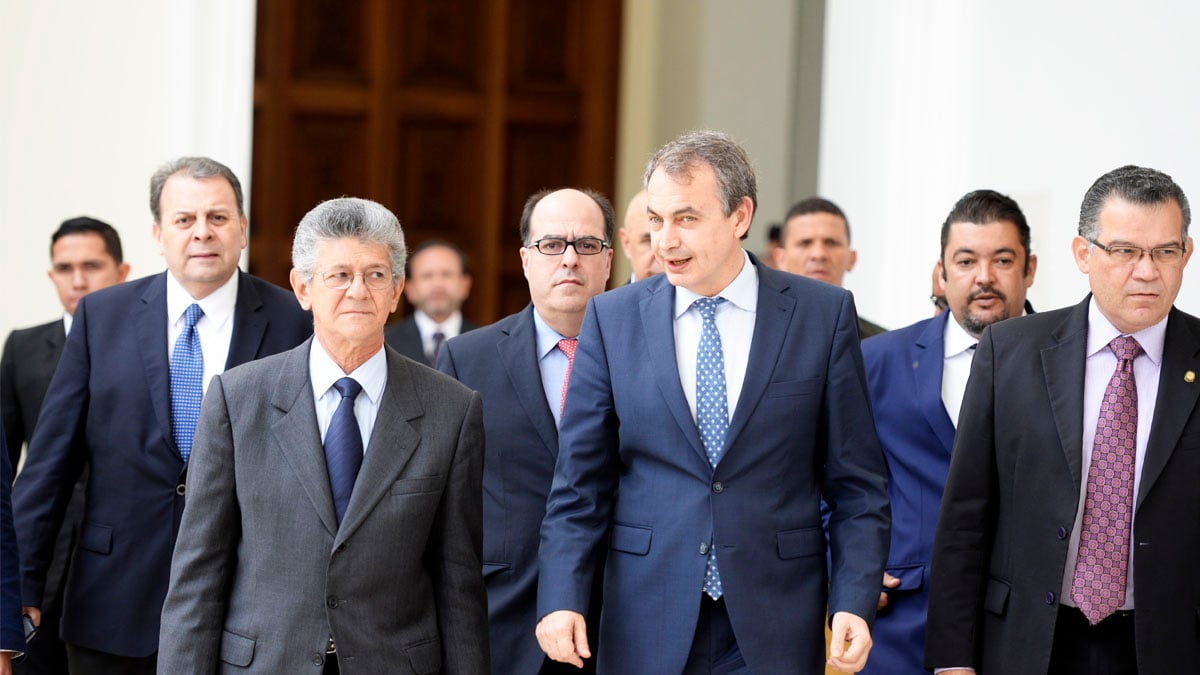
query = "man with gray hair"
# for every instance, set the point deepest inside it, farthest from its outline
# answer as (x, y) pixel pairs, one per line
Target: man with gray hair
(710, 410)
(333, 516)
(124, 400)
(1069, 533)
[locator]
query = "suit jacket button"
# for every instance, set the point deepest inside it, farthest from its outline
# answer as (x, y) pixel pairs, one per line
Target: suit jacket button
(332, 601)
(341, 546)
(717, 487)
(704, 548)
(1050, 598)
(318, 660)
(180, 489)
(1062, 533)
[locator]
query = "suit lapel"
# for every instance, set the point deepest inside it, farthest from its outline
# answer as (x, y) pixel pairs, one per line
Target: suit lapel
(1063, 368)
(297, 436)
(149, 318)
(928, 362)
(771, 322)
(1176, 400)
(518, 353)
(658, 322)
(249, 323)
(393, 442)
(54, 338)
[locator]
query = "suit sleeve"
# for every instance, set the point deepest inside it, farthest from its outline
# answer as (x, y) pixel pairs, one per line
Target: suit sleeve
(579, 507)
(10, 405)
(458, 546)
(854, 482)
(206, 549)
(56, 457)
(11, 637)
(962, 544)
(445, 362)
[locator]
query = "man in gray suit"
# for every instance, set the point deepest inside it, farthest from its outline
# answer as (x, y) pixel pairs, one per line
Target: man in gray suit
(297, 549)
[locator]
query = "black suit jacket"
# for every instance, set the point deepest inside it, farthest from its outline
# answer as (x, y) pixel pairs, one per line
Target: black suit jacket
(1010, 502)
(405, 337)
(30, 356)
(109, 406)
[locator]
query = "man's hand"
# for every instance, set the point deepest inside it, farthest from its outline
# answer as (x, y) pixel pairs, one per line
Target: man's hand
(5, 663)
(889, 582)
(35, 615)
(849, 658)
(563, 636)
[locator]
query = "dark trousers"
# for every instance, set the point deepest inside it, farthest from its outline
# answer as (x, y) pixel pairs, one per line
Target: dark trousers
(92, 662)
(331, 665)
(714, 648)
(45, 654)
(1080, 648)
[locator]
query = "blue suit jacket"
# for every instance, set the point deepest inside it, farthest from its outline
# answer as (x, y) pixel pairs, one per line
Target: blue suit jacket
(500, 362)
(904, 375)
(12, 638)
(631, 465)
(109, 405)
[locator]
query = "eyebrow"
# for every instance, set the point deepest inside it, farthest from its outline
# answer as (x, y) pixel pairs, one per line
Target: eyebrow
(970, 251)
(676, 212)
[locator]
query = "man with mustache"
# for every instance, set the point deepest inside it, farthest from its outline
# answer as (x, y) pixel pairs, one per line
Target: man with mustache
(521, 365)
(438, 284)
(916, 376)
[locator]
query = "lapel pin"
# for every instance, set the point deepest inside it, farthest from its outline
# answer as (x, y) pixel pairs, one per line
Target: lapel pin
(1189, 376)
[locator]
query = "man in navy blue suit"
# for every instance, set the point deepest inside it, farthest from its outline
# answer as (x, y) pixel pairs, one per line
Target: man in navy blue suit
(12, 641)
(136, 361)
(710, 410)
(917, 376)
(518, 366)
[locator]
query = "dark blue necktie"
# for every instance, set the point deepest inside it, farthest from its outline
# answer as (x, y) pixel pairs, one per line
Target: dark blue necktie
(187, 382)
(712, 409)
(343, 446)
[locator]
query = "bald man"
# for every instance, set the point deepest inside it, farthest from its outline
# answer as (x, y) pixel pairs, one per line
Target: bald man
(635, 240)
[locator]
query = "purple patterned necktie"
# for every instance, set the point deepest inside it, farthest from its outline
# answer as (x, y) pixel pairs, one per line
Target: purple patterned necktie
(1100, 570)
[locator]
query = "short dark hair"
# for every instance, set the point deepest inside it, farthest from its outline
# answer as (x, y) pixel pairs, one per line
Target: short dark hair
(438, 243)
(606, 208)
(816, 205)
(193, 167)
(1134, 184)
(85, 225)
(982, 207)
(775, 233)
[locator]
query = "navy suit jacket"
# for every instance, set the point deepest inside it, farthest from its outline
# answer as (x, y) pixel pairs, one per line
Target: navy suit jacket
(501, 363)
(632, 466)
(405, 337)
(12, 637)
(109, 406)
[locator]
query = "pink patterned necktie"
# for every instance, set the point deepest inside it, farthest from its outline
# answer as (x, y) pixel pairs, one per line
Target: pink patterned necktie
(1100, 570)
(567, 346)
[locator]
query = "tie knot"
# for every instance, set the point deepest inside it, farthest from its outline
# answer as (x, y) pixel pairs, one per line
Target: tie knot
(708, 307)
(439, 337)
(1125, 347)
(348, 387)
(192, 315)
(567, 345)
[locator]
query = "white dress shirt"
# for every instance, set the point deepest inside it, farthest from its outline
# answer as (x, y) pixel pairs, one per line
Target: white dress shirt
(215, 328)
(1099, 367)
(426, 327)
(68, 319)
(735, 323)
(958, 352)
(323, 372)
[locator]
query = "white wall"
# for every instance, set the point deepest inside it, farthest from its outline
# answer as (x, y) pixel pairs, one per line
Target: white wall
(926, 100)
(97, 94)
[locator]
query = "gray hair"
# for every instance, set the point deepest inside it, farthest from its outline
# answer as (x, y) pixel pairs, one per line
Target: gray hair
(348, 217)
(193, 167)
(729, 162)
(1134, 184)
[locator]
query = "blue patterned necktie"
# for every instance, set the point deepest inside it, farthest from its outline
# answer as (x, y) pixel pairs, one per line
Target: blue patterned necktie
(712, 410)
(343, 446)
(187, 382)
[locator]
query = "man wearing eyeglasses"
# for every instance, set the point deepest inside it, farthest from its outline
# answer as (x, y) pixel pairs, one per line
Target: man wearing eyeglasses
(521, 365)
(1069, 533)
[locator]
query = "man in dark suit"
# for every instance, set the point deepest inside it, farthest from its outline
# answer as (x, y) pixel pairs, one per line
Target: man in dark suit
(296, 549)
(12, 639)
(1069, 534)
(916, 376)
(123, 401)
(438, 284)
(519, 367)
(709, 411)
(85, 255)
(635, 240)
(815, 242)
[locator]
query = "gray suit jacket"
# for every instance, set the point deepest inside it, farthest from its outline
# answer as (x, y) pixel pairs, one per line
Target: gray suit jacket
(262, 574)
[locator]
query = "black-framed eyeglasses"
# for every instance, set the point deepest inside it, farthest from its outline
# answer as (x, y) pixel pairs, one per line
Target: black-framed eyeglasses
(558, 245)
(1129, 255)
(376, 278)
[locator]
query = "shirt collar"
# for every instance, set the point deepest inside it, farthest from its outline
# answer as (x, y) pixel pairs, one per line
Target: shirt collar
(427, 326)
(67, 321)
(547, 337)
(218, 306)
(956, 338)
(1101, 332)
(324, 372)
(742, 292)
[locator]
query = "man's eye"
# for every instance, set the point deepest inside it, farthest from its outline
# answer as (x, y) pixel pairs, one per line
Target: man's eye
(337, 276)
(376, 275)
